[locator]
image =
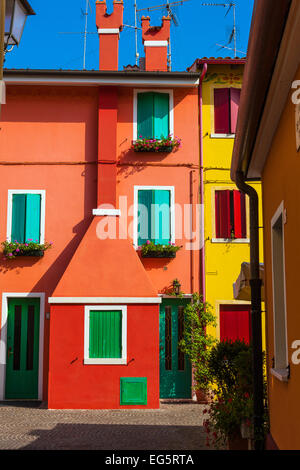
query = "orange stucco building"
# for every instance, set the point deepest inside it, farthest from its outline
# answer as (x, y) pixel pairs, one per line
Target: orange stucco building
(71, 176)
(267, 149)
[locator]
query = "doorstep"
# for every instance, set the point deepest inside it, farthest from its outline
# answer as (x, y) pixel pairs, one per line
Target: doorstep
(175, 401)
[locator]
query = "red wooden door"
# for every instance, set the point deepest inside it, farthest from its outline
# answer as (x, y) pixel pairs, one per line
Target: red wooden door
(235, 322)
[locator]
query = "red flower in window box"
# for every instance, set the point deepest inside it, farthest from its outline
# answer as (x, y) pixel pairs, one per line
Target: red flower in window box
(165, 144)
(30, 248)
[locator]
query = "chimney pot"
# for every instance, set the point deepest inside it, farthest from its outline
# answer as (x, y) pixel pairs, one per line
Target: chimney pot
(109, 27)
(156, 40)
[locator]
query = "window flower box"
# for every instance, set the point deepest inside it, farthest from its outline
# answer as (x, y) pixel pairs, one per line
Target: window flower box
(156, 254)
(165, 144)
(15, 249)
(37, 253)
(152, 250)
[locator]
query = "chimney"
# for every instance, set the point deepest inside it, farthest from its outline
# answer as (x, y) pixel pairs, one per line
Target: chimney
(156, 40)
(109, 27)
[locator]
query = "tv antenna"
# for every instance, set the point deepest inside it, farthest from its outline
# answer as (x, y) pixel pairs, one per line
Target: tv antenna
(84, 13)
(233, 33)
(168, 7)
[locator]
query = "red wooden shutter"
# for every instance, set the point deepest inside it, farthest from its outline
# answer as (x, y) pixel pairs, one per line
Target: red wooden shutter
(235, 322)
(243, 216)
(235, 94)
(239, 214)
(217, 214)
(221, 109)
(222, 214)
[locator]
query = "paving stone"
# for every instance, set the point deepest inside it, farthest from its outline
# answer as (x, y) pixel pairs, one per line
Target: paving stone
(172, 427)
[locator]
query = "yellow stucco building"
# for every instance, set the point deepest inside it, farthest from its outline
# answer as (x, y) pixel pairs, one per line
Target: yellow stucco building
(226, 210)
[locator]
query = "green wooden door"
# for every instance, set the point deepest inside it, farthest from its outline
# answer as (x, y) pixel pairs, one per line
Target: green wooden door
(175, 368)
(22, 359)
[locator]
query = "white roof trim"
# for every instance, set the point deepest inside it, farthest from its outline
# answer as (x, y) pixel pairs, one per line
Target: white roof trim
(104, 300)
(96, 81)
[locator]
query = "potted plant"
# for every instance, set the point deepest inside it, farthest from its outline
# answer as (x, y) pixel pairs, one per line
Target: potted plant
(12, 249)
(152, 250)
(164, 144)
(230, 414)
(197, 342)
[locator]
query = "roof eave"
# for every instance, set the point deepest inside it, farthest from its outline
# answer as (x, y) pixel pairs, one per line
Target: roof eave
(267, 27)
(96, 77)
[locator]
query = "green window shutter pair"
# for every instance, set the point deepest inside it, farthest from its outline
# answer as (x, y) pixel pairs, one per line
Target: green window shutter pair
(154, 221)
(153, 115)
(26, 217)
(105, 334)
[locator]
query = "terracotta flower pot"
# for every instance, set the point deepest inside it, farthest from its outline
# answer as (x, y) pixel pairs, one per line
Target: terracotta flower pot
(236, 442)
(203, 396)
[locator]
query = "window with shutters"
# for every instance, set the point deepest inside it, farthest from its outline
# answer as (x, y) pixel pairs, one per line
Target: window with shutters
(26, 216)
(226, 106)
(105, 335)
(230, 215)
(154, 215)
(153, 114)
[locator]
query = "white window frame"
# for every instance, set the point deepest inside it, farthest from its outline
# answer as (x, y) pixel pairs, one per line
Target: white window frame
(42, 193)
(154, 90)
(135, 214)
(108, 361)
(280, 371)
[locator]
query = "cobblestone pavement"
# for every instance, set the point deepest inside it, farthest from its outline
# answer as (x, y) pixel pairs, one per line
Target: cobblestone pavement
(172, 427)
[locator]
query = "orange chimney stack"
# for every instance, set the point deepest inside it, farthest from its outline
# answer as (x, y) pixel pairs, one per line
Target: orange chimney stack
(109, 27)
(156, 40)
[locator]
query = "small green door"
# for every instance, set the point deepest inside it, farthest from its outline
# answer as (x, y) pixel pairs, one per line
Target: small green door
(22, 358)
(175, 368)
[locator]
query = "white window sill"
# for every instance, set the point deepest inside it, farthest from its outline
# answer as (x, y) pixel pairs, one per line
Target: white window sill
(280, 374)
(89, 361)
(222, 136)
(230, 240)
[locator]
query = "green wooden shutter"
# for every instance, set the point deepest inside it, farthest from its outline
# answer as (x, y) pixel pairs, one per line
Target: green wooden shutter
(161, 115)
(105, 334)
(145, 199)
(162, 220)
(33, 217)
(133, 391)
(18, 217)
(145, 113)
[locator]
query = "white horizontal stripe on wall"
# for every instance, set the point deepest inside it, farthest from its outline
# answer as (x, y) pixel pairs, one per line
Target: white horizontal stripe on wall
(104, 300)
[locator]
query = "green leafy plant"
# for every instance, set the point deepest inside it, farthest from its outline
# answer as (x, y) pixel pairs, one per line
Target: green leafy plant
(152, 250)
(225, 363)
(13, 249)
(197, 342)
(230, 366)
(225, 416)
(164, 144)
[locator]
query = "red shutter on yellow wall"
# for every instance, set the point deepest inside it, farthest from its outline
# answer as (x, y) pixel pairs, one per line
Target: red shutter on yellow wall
(221, 110)
(239, 214)
(235, 94)
(222, 214)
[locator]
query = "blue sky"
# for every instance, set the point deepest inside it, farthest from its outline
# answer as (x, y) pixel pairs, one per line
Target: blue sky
(201, 28)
